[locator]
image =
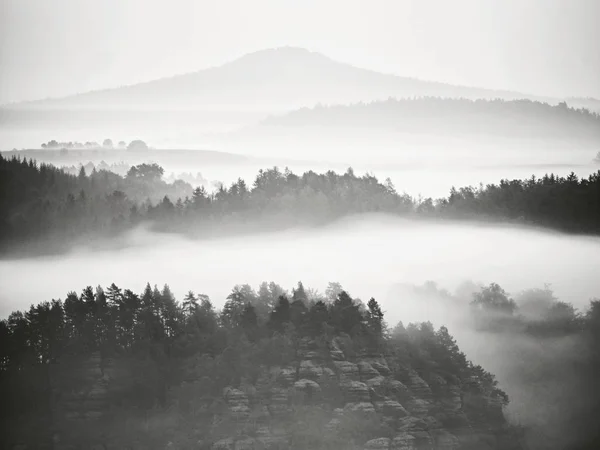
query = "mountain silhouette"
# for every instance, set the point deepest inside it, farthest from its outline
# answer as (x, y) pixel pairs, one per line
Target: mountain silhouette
(266, 80)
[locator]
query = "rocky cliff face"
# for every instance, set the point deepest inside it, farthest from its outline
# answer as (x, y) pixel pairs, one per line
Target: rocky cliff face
(329, 396)
(397, 408)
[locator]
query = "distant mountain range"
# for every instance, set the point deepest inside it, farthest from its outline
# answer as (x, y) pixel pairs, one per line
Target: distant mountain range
(437, 116)
(194, 109)
(266, 80)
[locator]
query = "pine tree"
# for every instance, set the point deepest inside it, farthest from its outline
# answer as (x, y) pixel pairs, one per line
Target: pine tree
(374, 318)
(170, 312)
(298, 312)
(318, 315)
(346, 316)
(299, 293)
(280, 315)
(249, 322)
(190, 303)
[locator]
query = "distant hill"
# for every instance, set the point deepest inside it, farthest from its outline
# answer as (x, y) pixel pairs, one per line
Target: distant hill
(438, 116)
(593, 104)
(186, 110)
(268, 80)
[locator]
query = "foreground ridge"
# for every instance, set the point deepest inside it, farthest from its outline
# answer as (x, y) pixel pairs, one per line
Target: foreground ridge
(271, 370)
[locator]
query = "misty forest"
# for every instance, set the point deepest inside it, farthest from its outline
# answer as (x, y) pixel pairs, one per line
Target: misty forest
(426, 204)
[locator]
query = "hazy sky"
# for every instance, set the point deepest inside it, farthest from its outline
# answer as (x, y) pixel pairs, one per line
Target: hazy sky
(58, 47)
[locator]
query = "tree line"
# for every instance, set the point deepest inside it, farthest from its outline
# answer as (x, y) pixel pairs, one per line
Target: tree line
(136, 144)
(42, 203)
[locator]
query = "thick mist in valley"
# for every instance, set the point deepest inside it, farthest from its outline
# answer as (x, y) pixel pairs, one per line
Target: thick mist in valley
(367, 255)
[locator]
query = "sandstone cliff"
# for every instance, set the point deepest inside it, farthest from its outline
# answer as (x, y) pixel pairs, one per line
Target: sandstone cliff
(386, 399)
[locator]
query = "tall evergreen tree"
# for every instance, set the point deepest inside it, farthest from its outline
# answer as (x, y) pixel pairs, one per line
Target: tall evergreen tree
(374, 318)
(190, 303)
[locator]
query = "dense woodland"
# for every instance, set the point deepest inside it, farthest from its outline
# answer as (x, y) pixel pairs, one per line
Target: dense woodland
(171, 360)
(515, 118)
(40, 203)
(161, 365)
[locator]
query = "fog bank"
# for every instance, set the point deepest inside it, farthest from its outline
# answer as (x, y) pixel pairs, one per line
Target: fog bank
(367, 255)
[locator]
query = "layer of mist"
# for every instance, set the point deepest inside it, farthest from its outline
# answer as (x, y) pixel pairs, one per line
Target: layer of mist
(367, 255)
(542, 375)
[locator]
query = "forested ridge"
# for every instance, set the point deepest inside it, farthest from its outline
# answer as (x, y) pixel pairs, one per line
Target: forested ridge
(271, 369)
(42, 204)
(434, 115)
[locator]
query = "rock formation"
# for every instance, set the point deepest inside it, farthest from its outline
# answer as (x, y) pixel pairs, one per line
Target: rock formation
(414, 412)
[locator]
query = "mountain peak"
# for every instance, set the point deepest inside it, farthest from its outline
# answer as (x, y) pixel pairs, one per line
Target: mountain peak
(281, 55)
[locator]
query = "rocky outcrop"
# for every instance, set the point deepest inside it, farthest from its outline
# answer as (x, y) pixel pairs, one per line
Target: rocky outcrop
(360, 407)
(355, 392)
(237, 401)
(366, 371)
(415, 410)
(378, 444)
(308, 389)
(278, 402)
(391, 409)
(287, 376)
(335, 352)
(418, 386)
(403, 441)
(432, 412)
(347, 371)
(309, 370)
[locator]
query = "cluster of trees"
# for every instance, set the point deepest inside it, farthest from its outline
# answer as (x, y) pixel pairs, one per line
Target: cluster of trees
(545, 352)
(556, 356)
(564, 203)
(106, 144)
(536, 312)
(176, 357)
(41, 204)
(193, 179)
(42, 201)
(515, 118)
(120, 168)
(123, 168)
